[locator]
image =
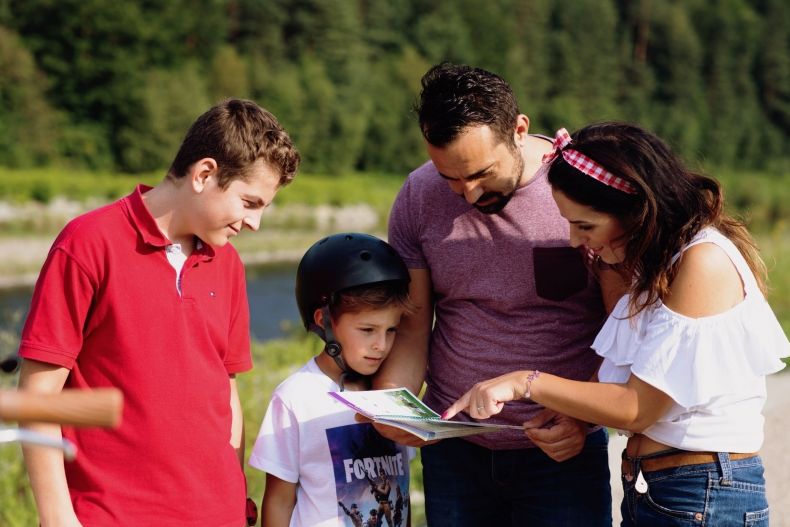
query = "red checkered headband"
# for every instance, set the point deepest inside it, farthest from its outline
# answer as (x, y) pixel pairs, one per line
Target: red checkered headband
(584, 164)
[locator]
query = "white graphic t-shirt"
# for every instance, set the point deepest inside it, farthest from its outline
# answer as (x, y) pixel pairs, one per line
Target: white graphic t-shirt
(347, 473)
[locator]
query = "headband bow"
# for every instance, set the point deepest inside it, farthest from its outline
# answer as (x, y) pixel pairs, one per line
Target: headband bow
(584, 164)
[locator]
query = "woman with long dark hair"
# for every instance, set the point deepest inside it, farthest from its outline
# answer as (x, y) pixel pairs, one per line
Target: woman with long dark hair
(685, 351)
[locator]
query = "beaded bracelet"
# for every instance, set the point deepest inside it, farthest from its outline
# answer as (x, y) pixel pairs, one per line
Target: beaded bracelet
(531, 377)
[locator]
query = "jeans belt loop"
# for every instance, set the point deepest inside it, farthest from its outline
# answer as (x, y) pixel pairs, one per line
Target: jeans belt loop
(629, 467)
(726, 468)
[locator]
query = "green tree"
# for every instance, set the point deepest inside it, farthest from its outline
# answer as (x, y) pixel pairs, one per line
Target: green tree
(97, 55)
(171, 101)
(256, 27)
(393, 141)
(638, 81)
(28, 124)
(583, 63)
(440, 33)
(674, 54)
(713, 77)
(279, 89)
(386, 26)
(490, 32)
(228, 75)
(773, 76)
(730, 30)
(302, 97)
(528, 62)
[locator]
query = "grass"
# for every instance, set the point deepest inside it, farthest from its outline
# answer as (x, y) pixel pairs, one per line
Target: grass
(44, 186)
(761, 199)
(775, 249)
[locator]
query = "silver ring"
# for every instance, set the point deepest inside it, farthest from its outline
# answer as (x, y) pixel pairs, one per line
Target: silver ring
(480, 408)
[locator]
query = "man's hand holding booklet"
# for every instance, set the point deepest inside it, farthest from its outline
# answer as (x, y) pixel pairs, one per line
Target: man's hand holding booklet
(400, 408)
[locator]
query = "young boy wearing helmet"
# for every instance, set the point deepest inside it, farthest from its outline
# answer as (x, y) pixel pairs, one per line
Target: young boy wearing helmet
(351, 290)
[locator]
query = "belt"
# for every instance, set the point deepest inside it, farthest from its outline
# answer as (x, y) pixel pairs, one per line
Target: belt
(678, 459)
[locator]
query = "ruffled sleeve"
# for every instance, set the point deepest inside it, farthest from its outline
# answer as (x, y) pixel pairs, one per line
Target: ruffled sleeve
(693, 360)
(617, 342)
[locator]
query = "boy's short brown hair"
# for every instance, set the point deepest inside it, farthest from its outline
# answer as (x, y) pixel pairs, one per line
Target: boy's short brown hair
(377, 296)
(236, 133)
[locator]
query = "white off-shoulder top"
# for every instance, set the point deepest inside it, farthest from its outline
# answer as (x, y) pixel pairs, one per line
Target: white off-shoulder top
(713, 367)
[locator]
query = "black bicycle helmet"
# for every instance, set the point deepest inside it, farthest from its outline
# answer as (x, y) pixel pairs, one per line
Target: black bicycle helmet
(336, 263)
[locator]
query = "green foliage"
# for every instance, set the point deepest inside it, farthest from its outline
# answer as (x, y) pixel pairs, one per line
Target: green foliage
(17, 507)
(584, 77)
(376, 190)
(85, 146)
(441, 34)
(92, 84)
(392, 138)
(46, 183)
(775, 250)
(759, 198)
(228, 76)
(28, 123)
(170, 102)
(97, 55)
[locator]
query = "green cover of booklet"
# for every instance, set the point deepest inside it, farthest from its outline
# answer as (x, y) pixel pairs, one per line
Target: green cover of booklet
(400, 408)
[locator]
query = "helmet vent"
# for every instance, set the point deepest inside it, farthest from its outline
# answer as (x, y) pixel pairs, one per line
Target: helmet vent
(365, 255)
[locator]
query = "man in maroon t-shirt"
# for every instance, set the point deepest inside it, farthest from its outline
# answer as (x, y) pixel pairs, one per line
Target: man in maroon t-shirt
(499, 289)
(147, 295)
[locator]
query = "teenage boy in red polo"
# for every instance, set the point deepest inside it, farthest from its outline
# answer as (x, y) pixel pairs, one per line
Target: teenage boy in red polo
(146, 294)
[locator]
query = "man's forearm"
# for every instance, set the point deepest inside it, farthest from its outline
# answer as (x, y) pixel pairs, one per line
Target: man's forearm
(408, 361)
(405, 366)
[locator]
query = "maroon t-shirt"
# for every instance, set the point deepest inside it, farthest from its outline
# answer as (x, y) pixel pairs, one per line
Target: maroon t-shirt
(106, 307)
(510, 292)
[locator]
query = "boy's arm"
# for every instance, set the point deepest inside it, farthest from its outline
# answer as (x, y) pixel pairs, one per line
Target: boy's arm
(279, 500)
(45, 465)
(237, 421)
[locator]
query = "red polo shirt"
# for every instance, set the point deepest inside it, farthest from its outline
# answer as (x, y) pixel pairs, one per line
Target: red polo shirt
(106, 307)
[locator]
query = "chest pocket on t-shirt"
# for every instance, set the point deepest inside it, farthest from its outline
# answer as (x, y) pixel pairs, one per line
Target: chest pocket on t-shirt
(559, 272)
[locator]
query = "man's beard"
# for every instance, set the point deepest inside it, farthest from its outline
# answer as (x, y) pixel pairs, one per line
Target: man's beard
(494, 206)
(501, 199)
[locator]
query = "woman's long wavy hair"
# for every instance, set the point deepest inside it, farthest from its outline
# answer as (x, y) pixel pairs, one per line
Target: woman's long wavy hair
(671, 205)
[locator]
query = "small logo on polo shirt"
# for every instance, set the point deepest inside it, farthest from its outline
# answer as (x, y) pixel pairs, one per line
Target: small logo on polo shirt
(212, 294)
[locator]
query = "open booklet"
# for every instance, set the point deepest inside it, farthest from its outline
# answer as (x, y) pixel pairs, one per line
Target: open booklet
(400, 408)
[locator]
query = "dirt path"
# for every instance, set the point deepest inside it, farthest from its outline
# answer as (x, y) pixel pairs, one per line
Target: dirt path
(775, 454)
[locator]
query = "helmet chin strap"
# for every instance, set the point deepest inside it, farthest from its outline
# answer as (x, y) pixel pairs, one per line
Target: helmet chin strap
(334, 349)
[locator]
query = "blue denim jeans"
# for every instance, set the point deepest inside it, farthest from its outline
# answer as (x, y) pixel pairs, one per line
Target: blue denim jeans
(468, 485)
(726, 493)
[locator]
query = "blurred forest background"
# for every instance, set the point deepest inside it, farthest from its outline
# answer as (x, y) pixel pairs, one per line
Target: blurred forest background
(113, 85)
(96, 95)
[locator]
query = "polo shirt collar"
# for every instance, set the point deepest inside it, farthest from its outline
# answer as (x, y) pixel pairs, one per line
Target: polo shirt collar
(146, 226)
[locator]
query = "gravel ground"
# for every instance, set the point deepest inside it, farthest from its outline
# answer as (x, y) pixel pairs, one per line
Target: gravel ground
(776, 457)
